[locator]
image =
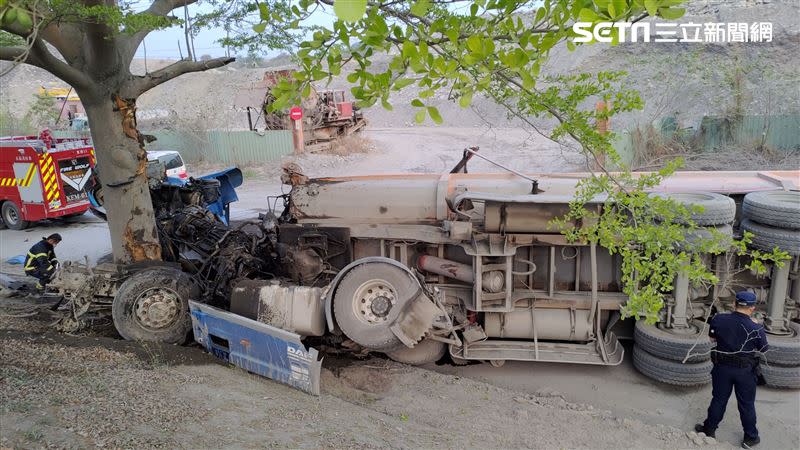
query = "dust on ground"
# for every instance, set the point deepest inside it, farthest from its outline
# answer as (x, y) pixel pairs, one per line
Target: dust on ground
(65, 391)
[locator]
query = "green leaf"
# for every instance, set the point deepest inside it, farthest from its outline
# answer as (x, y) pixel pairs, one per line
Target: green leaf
(620, 7)
(474, 44)
(434, 113)
(350, 10)
(417, 102)
(465, 99)
(386, 105)
(419, 117)
(453, 35)
(409, 50)
(403, 82)
(540, 12)
(587, 15)
(263, 11)
(260, 27)
(671, 13)
(420, 7)
(651, 6)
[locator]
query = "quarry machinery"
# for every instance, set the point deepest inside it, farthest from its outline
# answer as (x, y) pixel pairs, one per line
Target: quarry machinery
(327, 114)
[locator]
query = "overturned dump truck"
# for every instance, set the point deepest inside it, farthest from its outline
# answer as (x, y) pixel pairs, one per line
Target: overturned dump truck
(420, 266)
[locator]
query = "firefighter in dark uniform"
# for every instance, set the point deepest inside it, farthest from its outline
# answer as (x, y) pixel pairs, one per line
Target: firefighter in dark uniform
(41, 261)
(740, 341)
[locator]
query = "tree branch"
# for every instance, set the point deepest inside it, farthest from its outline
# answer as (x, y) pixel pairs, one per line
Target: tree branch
(147, 82)
(163, 7)
(38, 55)
(63, 36)
(157, 8)
(49, 62)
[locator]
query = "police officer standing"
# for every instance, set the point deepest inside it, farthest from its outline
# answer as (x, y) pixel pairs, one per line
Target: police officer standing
(740, 341)
(41, 261)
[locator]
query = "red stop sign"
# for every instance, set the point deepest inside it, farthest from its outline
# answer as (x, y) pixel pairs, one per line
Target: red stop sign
(296, 113)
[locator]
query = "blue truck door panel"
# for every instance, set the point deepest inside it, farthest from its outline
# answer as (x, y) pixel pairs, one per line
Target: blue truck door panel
(256, 347)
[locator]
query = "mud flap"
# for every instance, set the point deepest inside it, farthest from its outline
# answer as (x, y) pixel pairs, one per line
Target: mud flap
(256, 347)
(417, 319)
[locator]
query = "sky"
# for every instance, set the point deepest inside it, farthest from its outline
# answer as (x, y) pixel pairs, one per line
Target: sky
(163, 44)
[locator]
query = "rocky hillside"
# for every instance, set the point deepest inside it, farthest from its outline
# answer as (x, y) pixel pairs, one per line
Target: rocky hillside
(685, 80)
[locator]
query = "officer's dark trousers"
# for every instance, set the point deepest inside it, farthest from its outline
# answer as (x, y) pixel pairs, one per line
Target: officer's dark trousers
(42, 275)
(724, 378)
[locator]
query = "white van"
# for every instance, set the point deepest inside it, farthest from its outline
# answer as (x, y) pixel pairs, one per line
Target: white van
(173, 162)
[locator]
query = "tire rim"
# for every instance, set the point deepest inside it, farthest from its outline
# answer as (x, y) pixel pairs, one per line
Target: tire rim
(157, 308)
(692, 329)
(373, 301)
(11, 216)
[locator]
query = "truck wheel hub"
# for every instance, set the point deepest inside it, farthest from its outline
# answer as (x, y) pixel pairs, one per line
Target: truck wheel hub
(157, 308)
(380, 306)
(373, 301)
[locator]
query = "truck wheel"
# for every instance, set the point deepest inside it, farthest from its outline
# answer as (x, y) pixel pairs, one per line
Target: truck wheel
(767, 238)
(717, 208)
(665, 343)
(153, 305)
(781, 377)
(694, 237)
(369, 299)
(784, 350)
(12, 216)
(671, 372)
(426, 351)
(777, 208)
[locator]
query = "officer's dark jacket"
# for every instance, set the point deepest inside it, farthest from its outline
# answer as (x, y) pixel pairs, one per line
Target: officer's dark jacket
(737, 333)
(40, 257)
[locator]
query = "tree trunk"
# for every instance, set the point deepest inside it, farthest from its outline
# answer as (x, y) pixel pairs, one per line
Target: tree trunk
(121, 165)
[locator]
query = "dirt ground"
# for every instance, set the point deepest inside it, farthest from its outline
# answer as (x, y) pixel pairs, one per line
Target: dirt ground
(68, 391)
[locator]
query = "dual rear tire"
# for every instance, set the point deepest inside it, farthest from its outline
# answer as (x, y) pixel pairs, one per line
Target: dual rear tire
(659, 353)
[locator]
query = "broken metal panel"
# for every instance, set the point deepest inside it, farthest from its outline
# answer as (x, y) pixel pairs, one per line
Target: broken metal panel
(257, 347)
(391, 201)
(299, 309)
(544, 351)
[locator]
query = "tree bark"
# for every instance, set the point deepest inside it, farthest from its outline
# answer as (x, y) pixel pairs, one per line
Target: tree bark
(96, 64)
(121, 165)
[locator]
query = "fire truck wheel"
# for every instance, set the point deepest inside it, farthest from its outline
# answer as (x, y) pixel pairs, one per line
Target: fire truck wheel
(426, 351)
(718, 209)
(671, 372)
(153, 305)
(12, 216)
(673, 345)
(367, 302)
(781, 377)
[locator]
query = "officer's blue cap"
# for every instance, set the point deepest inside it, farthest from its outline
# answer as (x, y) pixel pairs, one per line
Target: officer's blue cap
(746, 298)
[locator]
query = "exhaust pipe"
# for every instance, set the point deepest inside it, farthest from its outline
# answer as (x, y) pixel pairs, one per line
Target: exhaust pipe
(493, 281)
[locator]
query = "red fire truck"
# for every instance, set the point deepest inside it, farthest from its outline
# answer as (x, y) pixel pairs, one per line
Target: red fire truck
(42, 177)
